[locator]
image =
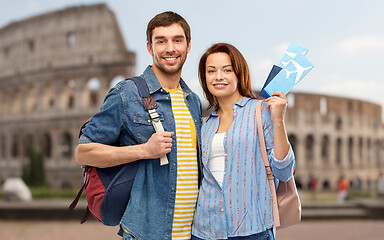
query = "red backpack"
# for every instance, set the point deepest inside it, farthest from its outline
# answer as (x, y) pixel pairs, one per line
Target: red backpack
(108, 189)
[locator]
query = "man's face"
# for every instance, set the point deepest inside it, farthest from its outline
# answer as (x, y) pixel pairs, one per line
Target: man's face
(169, 48)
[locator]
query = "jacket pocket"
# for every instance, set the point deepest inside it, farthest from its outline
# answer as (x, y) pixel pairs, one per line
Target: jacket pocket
(143, 126)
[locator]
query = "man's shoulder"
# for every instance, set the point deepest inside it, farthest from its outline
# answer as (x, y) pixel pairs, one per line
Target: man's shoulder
(126, 87)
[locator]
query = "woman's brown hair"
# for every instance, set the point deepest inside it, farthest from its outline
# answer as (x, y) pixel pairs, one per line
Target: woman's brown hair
(239, 66)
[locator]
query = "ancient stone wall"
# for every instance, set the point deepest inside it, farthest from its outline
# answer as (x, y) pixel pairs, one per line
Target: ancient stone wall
(335, 136)
(55, 70)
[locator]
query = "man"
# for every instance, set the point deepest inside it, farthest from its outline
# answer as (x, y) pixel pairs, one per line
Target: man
(163, 197)
(342, 190)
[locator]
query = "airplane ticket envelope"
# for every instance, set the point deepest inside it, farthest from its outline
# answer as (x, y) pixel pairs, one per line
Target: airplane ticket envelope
(293, 71)
(274, 71)
(294, 48)
(291, 52)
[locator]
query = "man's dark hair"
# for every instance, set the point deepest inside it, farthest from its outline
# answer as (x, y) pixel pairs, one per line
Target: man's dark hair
(166, 19)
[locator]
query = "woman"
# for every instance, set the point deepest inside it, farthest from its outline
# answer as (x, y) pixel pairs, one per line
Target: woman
(234, 198)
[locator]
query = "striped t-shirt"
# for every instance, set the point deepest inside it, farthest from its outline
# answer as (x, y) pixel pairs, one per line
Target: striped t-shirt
(187, 170)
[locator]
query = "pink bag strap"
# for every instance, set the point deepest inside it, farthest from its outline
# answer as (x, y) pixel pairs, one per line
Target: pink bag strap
(268, 168)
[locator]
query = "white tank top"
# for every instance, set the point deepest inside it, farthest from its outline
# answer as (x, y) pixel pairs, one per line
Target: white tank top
(216, 162)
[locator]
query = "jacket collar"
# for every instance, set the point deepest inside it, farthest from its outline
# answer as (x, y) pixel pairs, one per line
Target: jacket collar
(154, 84)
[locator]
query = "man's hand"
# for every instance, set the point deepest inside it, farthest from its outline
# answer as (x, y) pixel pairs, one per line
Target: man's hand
(158, 145)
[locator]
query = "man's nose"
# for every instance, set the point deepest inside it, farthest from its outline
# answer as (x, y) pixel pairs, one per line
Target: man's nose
(170, 47)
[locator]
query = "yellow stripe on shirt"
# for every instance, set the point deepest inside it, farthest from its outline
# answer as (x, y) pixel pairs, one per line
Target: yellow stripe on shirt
(187, 169)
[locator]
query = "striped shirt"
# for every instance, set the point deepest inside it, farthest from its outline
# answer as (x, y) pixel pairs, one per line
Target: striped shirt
(187, 170)
(243, 205)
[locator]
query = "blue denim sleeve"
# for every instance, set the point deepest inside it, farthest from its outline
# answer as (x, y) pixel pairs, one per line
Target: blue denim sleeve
(282, 169)
(105, 127)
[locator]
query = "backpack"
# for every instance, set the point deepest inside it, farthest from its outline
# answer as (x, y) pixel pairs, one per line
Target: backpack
(108, 190)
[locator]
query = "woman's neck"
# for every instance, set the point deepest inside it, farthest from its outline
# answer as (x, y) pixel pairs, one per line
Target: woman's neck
(226, 104)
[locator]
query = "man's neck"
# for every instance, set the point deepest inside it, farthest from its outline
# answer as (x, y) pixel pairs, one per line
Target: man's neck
(167, 81)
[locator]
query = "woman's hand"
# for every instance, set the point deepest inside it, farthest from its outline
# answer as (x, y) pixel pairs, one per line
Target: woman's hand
(277, 105)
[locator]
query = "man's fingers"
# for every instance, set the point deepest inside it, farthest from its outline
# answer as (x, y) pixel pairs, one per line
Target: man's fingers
(167, 134)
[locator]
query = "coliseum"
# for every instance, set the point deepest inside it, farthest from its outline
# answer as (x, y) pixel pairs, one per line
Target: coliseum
(56, 68)
(335, 136)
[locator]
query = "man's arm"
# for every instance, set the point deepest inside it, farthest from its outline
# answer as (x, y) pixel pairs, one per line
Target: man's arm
(102, 156)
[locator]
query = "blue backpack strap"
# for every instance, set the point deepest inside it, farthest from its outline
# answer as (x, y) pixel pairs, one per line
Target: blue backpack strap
(142, 86)
(151, 105)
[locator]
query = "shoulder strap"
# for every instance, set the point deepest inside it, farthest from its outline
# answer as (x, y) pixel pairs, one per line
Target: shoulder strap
(151, 105)
(142, 86)
(268, 168)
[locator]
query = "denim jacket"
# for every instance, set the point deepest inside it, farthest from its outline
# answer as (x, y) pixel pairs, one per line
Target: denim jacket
(149, 213)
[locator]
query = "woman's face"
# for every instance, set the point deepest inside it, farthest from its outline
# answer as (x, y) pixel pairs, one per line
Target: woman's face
(220, 76)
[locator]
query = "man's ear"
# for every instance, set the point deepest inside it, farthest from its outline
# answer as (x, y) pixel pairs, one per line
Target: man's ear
(149, 48)
(189, 47)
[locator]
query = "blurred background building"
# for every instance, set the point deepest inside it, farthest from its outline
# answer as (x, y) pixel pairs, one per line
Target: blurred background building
(56, 68)
(334, 137)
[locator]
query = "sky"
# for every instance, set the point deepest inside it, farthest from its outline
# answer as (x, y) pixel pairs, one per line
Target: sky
(344, 37)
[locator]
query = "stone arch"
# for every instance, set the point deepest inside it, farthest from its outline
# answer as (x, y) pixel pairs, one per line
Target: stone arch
(5, 103)
(28, 144)
(66, 145)
(48, 97)
(115, 80)
(1, 105)
(361, 146)
(30, 101)
(16, 101)
(350, 150)
(325, 149)
(15, 146)
(309, 148)
(381, 153)
(93, 87)
(68, 95)
(326, 185)
(3, 147)
(46, 145)
(369, 152)
(293, 141)
(339, 151)
(339, 124)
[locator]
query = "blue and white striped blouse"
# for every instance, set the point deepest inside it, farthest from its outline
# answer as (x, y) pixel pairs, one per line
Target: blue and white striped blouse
(243, 206)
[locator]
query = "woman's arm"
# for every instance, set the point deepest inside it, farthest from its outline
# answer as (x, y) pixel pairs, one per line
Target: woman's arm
(277, 105)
